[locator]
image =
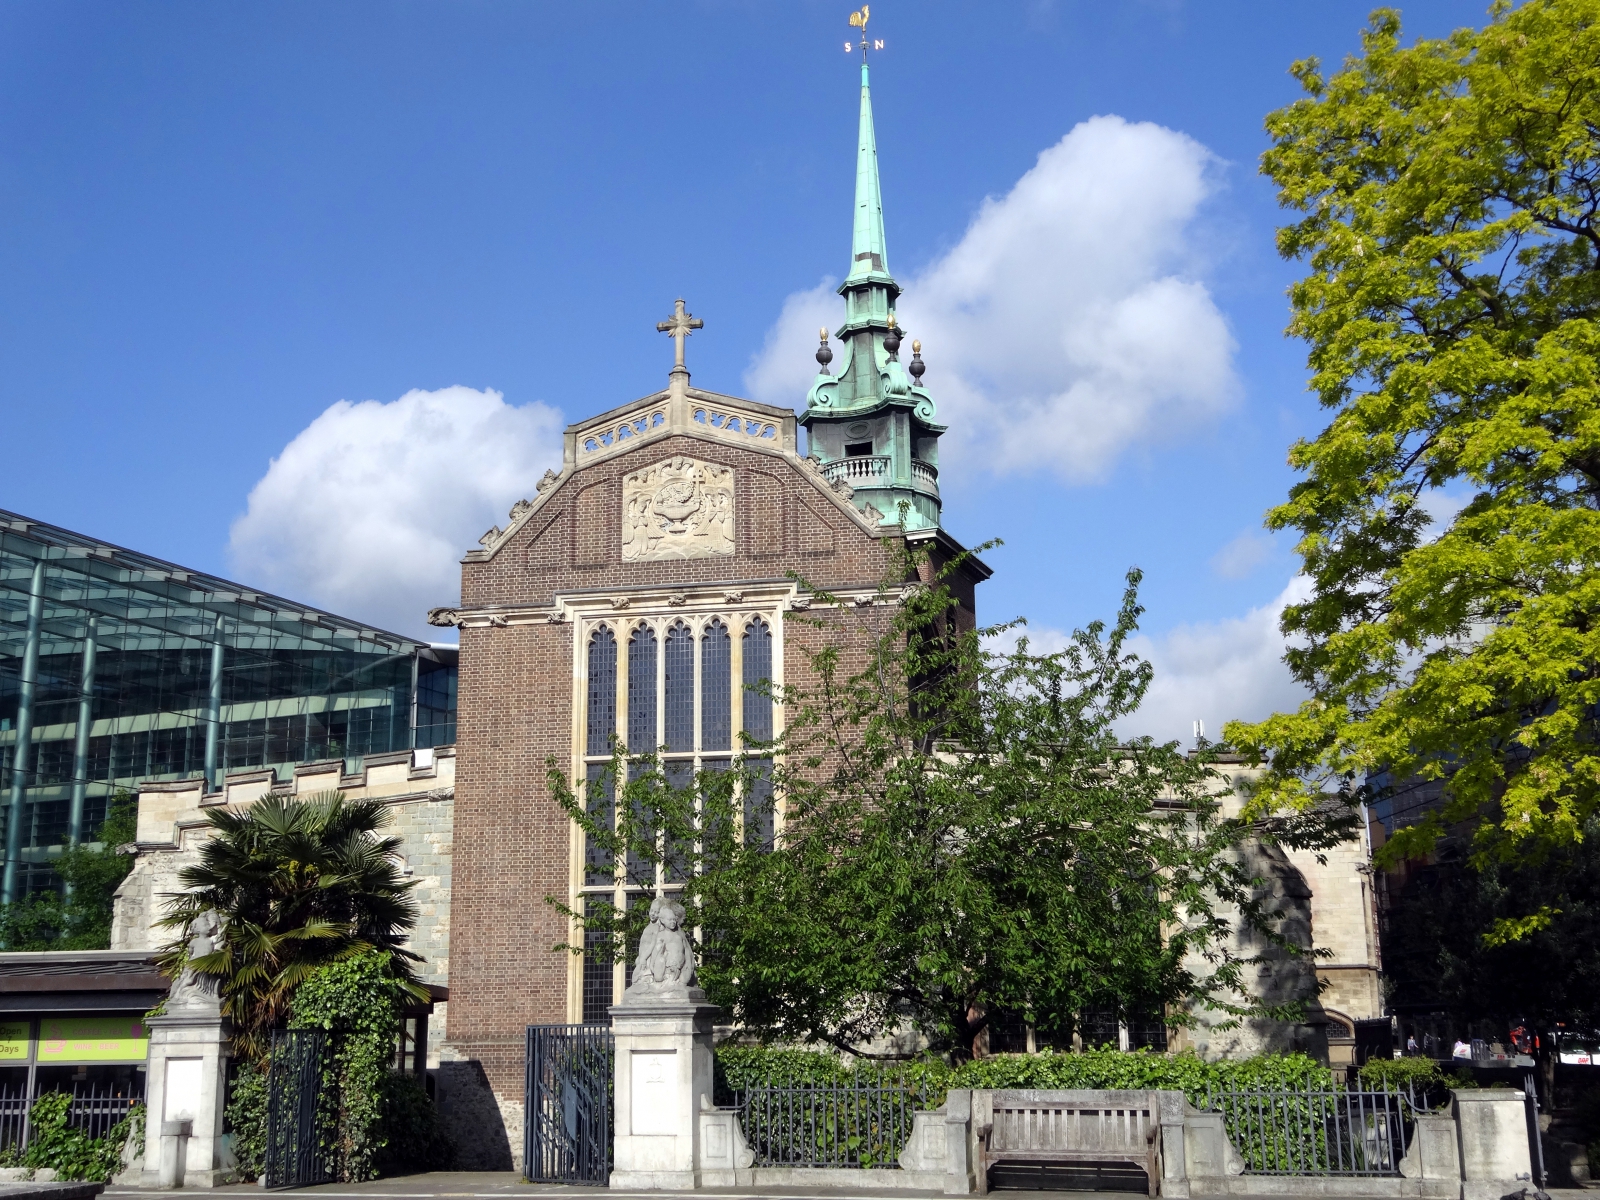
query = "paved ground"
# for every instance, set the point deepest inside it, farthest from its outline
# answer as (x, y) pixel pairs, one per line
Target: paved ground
(497, 1185)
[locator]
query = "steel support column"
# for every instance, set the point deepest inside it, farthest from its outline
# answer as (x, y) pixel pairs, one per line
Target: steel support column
(22, 755)
(214, 711)
(80, 743)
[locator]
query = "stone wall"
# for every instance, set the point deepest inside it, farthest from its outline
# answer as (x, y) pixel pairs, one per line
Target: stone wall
(1327, 908)
(420, 800)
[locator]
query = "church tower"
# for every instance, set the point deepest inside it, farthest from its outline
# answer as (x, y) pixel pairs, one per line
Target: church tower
(641, 597)
(871, 424)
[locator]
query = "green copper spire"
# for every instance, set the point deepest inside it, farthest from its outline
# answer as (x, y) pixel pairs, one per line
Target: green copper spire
(868, 254)
(870, 425)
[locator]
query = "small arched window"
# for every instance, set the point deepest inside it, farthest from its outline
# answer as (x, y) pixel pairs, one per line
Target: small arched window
(757, 669)
(642, 691)
(680, 689)
(602, 691)
(716, 711)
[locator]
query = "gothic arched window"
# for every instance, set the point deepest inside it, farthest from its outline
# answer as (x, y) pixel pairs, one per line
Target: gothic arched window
(716, 665)
(757, 668)
(680, 690)
(690, 687)
(602, 690)
(642, 691)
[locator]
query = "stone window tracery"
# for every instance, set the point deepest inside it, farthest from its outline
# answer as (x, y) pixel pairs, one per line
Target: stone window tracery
(642, 688)
(684, 688)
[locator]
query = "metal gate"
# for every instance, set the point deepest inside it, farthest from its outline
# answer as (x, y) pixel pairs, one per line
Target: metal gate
(566, 1132)
(296, 1154)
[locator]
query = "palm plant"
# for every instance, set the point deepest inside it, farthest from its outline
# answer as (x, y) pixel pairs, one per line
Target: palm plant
(297, 883)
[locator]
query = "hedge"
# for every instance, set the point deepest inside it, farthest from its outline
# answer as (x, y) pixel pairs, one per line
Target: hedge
(740, 1067)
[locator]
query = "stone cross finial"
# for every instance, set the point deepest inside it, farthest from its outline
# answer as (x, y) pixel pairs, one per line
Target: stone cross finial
(679, 325)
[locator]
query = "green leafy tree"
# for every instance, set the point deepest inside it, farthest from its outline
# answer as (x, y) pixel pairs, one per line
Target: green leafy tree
(298, 883)
(79, 916)
(1447, 197)
(962, 832)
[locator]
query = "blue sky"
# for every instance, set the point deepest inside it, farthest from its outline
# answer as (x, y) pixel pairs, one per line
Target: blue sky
(221, 220)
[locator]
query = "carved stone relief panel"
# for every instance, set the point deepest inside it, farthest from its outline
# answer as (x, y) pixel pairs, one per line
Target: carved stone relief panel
(678, 508)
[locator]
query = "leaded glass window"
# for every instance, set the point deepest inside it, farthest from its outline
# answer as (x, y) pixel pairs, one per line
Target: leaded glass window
(642, 691)
(759, 819)
(598, 866)
(602, 690)
(716, 702)
(757, 670)
(680, 689)
(685, 692)
(597, 975)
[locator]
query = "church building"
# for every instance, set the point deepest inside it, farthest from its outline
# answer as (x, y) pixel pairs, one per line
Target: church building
(639, 596)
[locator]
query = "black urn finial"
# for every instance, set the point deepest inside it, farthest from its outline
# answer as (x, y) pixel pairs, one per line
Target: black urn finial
(917, 365)
(891, 340)
(824, 351)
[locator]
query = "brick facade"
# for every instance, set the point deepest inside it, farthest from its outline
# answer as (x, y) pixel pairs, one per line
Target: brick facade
(513, 845)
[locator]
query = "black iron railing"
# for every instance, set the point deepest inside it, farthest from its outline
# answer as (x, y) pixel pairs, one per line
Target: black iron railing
(1316, 1130)
(568, 1104)
(96, 1108)
(14, 1104)
(300, 1131)
(859, 1123)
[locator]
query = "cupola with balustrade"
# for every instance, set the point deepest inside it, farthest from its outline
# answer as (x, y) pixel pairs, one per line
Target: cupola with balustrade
(868, 419)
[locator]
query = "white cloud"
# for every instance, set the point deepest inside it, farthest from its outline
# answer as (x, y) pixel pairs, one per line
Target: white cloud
(1241, 556)
(783, 369)
(1218, 671)
(1214, 671)
(1066, 325)
(369, 509)
(1443, 507)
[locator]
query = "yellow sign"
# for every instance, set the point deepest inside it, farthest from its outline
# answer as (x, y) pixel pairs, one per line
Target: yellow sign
(14, 1040)
(93, 1039)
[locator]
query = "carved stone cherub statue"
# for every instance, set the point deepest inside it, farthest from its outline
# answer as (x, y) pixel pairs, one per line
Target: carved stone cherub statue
(665, 966)
(194, 989)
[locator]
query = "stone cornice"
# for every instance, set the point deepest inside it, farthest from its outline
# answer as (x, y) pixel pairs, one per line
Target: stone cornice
(659, 601)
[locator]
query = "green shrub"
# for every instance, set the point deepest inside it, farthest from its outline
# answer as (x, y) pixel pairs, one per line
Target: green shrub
(376, 1121)
(357, 1001)
(740, 1066)
(1396, 1073)
(1139, 1069)
(70, 1152)
(247, 1119)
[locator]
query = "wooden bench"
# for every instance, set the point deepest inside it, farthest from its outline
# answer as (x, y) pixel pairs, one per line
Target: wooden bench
(1066, 1128)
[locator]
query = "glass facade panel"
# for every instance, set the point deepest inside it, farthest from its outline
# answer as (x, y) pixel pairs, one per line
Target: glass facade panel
(118, 669)
(436, 705)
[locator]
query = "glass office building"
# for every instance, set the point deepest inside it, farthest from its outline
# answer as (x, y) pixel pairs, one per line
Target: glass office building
(118, 669)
